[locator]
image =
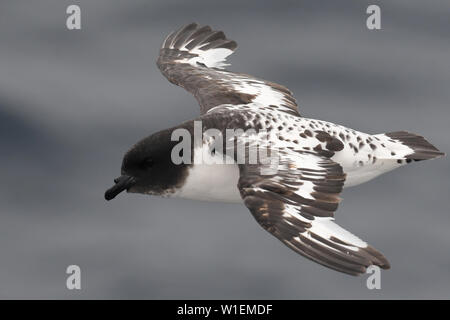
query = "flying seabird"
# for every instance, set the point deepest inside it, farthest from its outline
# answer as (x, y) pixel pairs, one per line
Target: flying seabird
(316, 159)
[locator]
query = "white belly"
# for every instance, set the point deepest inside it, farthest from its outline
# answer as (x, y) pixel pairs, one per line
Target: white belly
(358, 175)
(218, 182)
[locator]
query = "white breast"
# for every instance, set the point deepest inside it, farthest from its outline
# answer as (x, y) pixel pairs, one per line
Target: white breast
(211, 182)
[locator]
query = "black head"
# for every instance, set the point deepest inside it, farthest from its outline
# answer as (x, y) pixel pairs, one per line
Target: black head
(148, 168)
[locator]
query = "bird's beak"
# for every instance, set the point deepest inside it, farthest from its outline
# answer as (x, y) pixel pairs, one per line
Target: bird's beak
(122, 183)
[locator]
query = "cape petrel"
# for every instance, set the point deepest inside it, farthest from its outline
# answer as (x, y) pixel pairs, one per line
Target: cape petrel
(317, 159)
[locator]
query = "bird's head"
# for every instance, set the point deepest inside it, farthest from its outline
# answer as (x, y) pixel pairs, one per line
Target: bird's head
(148, 168)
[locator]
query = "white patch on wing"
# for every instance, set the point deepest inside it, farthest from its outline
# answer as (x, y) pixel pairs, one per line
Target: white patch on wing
(305, 189)
(291, 210)
(212, 58)
(264, 94)
(306, 161)
(327, 228)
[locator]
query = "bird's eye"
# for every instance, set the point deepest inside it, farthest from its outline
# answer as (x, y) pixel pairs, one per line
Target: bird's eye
(147, 163)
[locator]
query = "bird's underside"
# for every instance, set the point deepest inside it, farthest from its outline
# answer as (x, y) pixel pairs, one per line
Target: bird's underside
(296, 204)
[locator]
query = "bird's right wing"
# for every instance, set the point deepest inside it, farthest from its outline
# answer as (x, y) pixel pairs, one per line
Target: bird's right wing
(193, 57)
(296, 204)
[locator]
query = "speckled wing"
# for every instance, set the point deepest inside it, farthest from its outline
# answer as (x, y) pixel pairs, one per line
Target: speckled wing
(296, 204)
(193, 57)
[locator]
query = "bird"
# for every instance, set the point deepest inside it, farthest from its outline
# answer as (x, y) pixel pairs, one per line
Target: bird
(293, 198)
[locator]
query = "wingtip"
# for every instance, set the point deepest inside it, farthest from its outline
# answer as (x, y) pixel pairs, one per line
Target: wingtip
(379, 259)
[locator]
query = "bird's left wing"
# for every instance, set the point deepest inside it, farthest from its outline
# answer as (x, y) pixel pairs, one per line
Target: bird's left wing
(296, 204)
(193, 57)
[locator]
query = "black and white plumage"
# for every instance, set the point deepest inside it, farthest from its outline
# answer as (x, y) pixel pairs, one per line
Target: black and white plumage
(317, 158)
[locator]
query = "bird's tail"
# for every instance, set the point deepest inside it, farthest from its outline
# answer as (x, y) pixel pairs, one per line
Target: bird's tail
(417, 148)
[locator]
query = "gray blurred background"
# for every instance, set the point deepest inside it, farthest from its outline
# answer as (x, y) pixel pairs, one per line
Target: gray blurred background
(72, 102)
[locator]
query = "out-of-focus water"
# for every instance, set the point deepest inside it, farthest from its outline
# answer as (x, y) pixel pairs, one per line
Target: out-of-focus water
(72, 102)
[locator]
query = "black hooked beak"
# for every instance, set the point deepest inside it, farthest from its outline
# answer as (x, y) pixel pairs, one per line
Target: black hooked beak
(122, 183)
